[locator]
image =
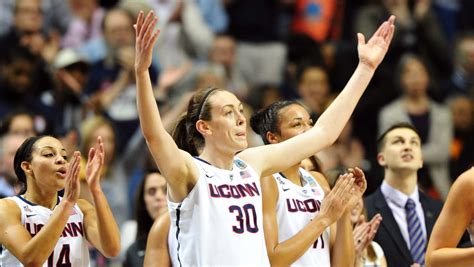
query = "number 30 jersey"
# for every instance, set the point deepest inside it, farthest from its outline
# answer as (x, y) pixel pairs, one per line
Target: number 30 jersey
(71, 248)
(220, 222)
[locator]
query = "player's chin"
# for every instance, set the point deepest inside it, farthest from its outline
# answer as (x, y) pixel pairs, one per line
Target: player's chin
(60, 184)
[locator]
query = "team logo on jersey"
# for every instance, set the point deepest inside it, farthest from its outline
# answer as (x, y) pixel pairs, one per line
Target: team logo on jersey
(240, 164)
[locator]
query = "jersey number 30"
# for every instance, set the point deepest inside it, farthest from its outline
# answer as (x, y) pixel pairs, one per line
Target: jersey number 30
(246, 218)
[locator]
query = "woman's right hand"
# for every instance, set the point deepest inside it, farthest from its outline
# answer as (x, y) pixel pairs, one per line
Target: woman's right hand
(72, 186)
(146, 37)
(335, 202)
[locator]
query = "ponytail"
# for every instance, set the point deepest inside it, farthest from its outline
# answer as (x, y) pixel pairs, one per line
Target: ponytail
(182, 138)
(185, 133)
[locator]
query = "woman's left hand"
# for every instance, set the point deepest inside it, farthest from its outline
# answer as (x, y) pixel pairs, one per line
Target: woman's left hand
(95, 162)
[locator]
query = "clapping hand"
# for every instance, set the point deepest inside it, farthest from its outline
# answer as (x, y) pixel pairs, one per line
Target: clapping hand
(95, 162)
(72, 186)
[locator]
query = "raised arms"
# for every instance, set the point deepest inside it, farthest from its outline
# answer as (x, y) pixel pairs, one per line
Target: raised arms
(267, 159)
(176, 165)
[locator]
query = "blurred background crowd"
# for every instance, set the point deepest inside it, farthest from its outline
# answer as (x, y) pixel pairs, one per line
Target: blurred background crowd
(67, 69)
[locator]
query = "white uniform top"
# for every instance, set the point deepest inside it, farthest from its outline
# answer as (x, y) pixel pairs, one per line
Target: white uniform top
(71, 248)
(296, 206)
(220, 222)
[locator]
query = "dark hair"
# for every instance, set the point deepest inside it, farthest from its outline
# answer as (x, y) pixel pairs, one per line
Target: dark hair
(316, 164)
(305, 66)
(400, 125)
(185, 133)
(402, 64)
(143, 218)
(24, 153)
(267, 120)
(6, 121)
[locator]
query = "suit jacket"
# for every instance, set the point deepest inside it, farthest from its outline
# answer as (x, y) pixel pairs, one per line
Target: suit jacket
(389, 236)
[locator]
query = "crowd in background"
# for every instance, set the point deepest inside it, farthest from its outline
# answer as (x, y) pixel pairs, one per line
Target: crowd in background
(67, 69)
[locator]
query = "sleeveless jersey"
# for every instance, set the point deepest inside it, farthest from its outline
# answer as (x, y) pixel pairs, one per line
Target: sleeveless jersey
(296, 206)
(71, 248)
(220, 222)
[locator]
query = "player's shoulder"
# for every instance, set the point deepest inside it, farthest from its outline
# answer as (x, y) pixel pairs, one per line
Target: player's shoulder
(321, 179)
(465, 182)
(9, 209)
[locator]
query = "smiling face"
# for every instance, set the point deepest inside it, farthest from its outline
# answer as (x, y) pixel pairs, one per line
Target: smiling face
(292, 121)
(48, 165)
(228, 124)
(401, 150)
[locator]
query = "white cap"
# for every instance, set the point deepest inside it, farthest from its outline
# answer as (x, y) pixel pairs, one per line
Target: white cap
(67, 57)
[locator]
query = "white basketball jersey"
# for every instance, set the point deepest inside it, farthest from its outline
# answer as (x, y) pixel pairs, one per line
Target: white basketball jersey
(71, 248)
(297, 206)
(220, 222)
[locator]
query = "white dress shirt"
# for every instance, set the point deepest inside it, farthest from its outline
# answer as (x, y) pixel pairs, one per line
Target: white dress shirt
(397, 200)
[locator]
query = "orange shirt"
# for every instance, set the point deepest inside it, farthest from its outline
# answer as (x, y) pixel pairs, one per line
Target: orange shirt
(320, 19)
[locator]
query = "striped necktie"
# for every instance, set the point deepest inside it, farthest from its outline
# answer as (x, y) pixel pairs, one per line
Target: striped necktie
(417, 240)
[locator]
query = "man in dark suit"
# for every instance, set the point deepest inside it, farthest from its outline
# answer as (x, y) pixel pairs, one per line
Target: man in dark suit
(408, 214)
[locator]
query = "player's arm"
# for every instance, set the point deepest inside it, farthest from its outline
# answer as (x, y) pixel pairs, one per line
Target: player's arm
(31, 251)
(100, 226)
(34, 251)
(455, 217)
(341, 241)
(177, 166)
(157, 252)
(266, 160)
(99, 223)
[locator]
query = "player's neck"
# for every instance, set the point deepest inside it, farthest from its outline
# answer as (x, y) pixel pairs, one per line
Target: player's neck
(218, 159)
(42, 198)
(292, 174)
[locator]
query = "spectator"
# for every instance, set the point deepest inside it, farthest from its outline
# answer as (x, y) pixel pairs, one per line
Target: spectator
(462, 146)
(85, 24)
(462, 77)
(418, 31)
(111, 83)
(9, 184)
(150, 203)
(432, 121)
(408, 213)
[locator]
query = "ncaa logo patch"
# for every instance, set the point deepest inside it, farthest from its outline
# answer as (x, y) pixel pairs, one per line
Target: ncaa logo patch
(240, 164)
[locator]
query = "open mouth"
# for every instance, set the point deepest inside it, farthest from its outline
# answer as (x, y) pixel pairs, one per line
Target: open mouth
(407, 157)
(62, 172)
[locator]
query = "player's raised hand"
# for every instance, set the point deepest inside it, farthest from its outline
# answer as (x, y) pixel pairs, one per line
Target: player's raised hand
(145, 39)
(372, 52)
